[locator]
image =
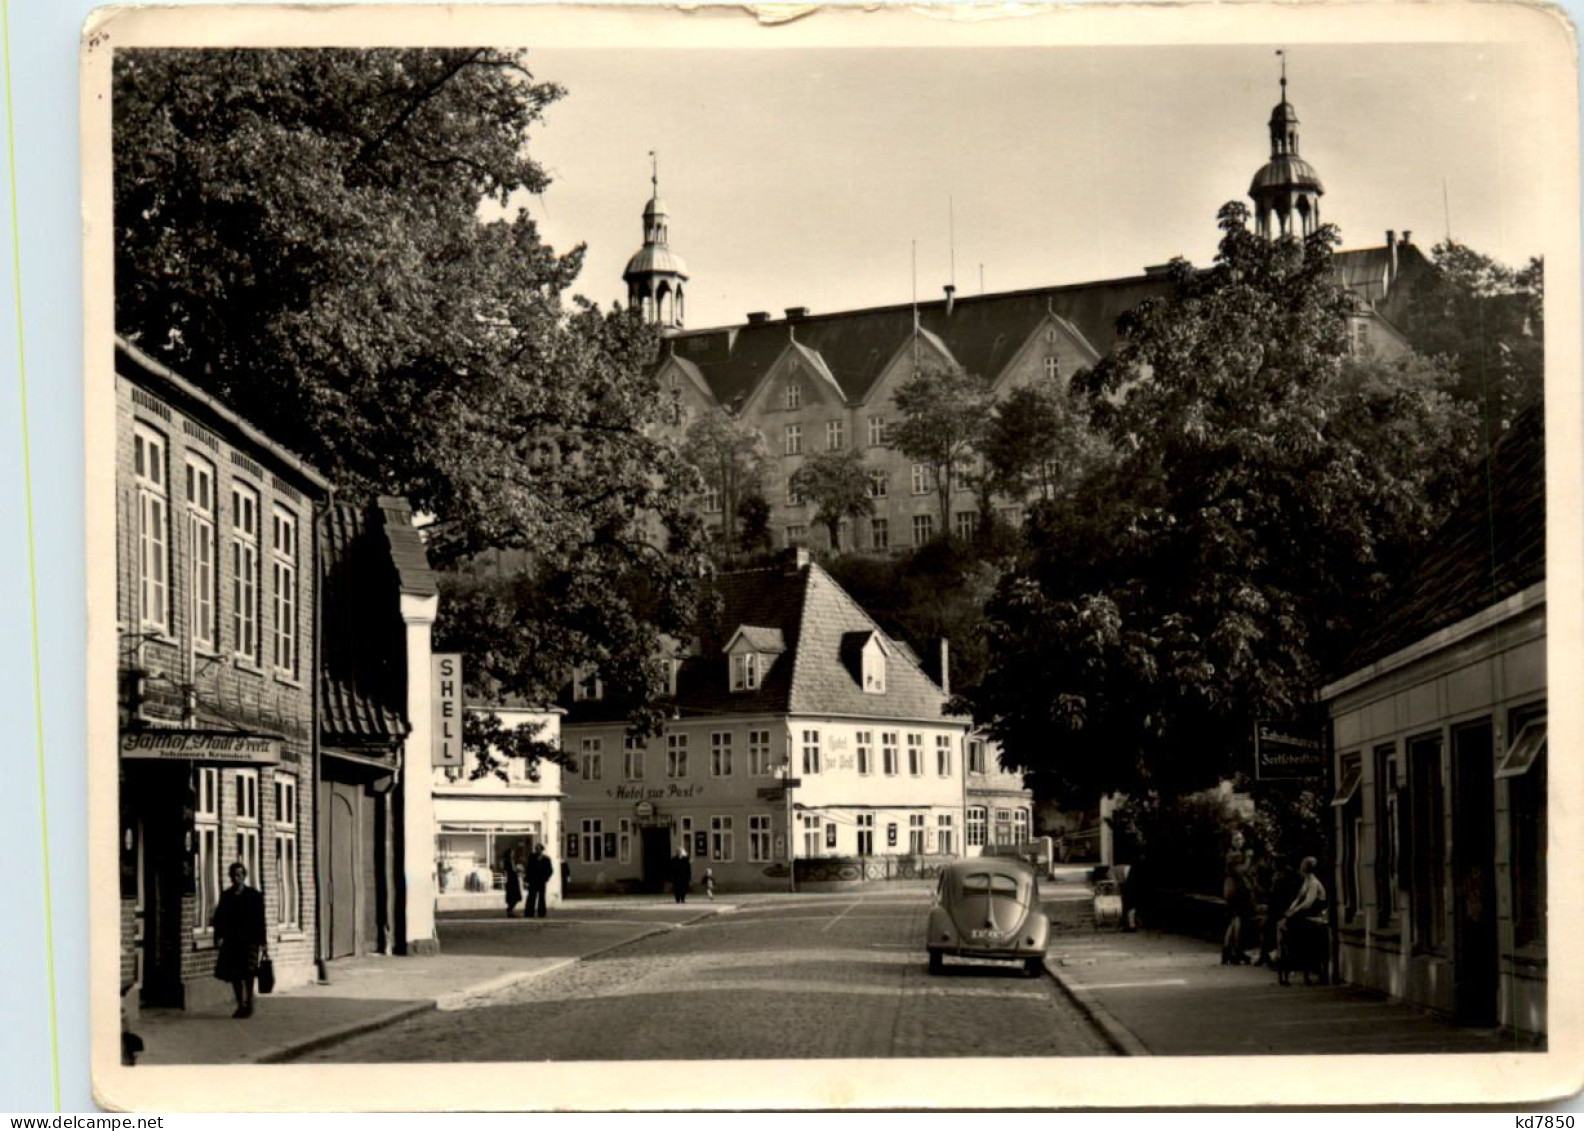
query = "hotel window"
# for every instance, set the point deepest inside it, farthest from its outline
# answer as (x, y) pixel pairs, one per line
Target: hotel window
(288, 913)
(879, 534)
(759, 838)
(811, 835)
(712, 499)
(923, 479)
(879, 484)
(916, 833)
(866, 834)
(944, 834)
(624, 840)
(794, 394)
(792, 439)
(1523, 767)
(206, 821)
(745, 671)
(721, 839)
(977, 820)
(835, 435)
(1387, 837)
(923, 529)
(976, 756)
(685, 835)
(877, 431)
(759, 764)
(1351, 830)
(633, 751)
(865, 747)
(721, 754)
(811, 752)
(245, 522)
(591, 759)
(153, 503)
(676, 755)
(205, 553)
(915, 749)
(888, 752)
(1020, 826)
(965, 524)
(245, 786)
(1052, 368)
(283, 574)
(943, 755)
(593, 840)
(1426, 841)
(797, 535)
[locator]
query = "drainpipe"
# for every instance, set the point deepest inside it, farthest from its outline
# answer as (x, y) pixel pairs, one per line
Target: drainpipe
(315, 751)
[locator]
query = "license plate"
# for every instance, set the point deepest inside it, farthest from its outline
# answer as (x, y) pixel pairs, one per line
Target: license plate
(984, 934)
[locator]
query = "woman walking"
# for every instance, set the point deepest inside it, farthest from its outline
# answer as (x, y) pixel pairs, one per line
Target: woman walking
(240, 937)
(1239, 901)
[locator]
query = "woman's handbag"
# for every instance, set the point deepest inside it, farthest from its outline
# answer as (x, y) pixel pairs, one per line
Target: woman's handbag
(266, 975)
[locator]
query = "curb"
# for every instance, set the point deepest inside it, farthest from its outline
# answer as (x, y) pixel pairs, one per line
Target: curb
(460, 999)
(279, 1054)
(1117, 1035)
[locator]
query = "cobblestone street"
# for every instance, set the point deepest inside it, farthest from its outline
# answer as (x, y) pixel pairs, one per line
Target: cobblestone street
(807, 977)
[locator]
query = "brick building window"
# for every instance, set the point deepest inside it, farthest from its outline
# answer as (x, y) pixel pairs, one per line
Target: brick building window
(283, 579)
(676, 755)
(759, 763)
(206, 819)
(721, 754)
(204, 553)
(978, 820)
(591, 759)
(152, 475)
(943, 755)
(759, 838)
(245, 785)
(811, 752)
(245, 572)
(288, 892)
(865, 748)
(721, 839)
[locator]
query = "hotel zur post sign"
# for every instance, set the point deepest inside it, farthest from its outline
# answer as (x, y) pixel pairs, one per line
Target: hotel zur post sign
(446, 703)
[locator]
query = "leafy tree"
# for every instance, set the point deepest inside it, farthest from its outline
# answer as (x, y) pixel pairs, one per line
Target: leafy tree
(1259, 509)
(753, 530)
(1037, 442)
(303, 233)
(1489, 321)
(943, 411)
(730, 456)
(838, 484)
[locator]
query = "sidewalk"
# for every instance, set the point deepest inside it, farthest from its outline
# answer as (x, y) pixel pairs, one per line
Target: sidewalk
(480, 955)
(1169, 995)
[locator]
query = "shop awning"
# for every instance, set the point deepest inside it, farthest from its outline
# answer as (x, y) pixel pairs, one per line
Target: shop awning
(1352, 774)
(1524, 751)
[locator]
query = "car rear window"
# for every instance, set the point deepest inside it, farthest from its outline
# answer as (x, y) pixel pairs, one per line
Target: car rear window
(988, 883)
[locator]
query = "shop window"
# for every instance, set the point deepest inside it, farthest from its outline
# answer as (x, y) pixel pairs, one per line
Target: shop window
(203, 552)
(245, 786)
(721, 754)
(206, 821)
(676, 755)
(283, 578)
(945, 835)
(721, 839)
(1426, 840)
(624, 840)
(288, 893)
(943, 755)
(1350, 831)
(153, 502)
(1387, 786)
(916, 833)
(864, 745)
(1524, 770)
(888, 752)
(977, 822)
(759, 838)
(915, 754)
(866, 822)
(759, 761)
(684, 830)
(811, 752)
(245, 521)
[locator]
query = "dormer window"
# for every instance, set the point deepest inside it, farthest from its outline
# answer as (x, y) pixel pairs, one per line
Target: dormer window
(874, 672)
(751, 651)
(865, 655)
(745, 671)
(586, 685)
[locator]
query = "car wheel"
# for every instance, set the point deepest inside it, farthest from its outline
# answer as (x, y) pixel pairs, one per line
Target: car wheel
(937, 962)
(1033, 967)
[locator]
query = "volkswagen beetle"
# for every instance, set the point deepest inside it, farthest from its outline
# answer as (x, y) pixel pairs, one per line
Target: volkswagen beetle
(988, 907)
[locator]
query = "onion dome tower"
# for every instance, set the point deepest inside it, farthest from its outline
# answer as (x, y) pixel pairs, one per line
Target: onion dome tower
(1287, 190)
(656, 275)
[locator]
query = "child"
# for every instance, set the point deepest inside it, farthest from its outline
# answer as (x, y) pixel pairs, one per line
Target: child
(709, 883)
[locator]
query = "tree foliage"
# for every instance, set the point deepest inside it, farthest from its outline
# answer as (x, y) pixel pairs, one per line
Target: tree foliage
(730, 458)
(1038, 442)
(838, 485)
(303, 233)
(1260, 506)
(943, 411)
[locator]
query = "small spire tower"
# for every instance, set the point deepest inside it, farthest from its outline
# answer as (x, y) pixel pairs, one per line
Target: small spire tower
(1287, 190)
(656, 276)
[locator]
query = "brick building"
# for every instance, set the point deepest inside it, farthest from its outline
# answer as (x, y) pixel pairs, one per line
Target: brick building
(216, 593)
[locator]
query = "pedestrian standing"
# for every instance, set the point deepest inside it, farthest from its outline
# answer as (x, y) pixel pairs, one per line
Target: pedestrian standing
(240, 936)
(709, 883)
(1239, 903)
(681, 875)
(514, 888)
(540, 871)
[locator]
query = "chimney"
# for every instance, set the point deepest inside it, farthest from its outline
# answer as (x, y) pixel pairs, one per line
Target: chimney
(1391, 252)
(755, 317)
(796, 313)
(1407, 237)
(797, 560)
(945, 665)
(951, 298)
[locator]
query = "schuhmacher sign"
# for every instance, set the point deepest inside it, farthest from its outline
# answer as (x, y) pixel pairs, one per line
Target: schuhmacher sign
(201, 746)
(1285, 751)
(446, 704)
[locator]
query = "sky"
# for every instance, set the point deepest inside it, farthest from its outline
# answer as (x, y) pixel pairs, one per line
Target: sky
(804, 177)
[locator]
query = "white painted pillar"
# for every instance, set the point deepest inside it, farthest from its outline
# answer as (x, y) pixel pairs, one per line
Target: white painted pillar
(417, 922)
(1107, 809)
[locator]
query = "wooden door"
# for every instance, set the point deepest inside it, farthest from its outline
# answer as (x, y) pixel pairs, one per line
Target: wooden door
(1473, 875)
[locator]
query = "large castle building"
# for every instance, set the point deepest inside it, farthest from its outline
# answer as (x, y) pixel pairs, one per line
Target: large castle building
(813, 383)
